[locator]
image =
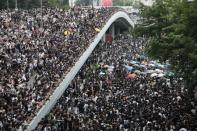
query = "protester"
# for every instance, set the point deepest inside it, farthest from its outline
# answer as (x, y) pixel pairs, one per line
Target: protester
(116, 90)
(37, 49)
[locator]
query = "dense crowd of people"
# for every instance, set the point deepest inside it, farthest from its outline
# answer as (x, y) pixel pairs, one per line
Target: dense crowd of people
(121, 89)
(37, 49)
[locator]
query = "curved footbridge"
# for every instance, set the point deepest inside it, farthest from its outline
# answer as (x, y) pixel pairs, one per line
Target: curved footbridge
(118, 21)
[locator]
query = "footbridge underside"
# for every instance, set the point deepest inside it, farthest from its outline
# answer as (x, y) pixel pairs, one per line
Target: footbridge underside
(118, 27)
(122, 24)
(119, 21)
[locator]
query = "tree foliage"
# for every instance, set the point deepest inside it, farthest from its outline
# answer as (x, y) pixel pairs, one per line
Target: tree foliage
(27, 4)
(84, 2)
(170, 27)
(123, 2)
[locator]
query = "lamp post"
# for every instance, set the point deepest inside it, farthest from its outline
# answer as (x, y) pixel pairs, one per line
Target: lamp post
(16, 4)
(41, 13)
(7, 4)
(41, 5)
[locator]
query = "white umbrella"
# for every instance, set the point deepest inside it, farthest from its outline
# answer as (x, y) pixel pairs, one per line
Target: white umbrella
(160, 65)
(101, 73)
(137, 71)
(110, 70)
(112, 67)
(152, 65)
(153, 75)
(158, 70)
(161, 75)
(150, 71)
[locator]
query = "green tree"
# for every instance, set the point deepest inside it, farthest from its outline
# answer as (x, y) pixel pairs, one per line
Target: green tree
(58, 3)
(170, 28)
(84, 2)
(27, 4)
(7, 3)
(3, 4)
(123, 2)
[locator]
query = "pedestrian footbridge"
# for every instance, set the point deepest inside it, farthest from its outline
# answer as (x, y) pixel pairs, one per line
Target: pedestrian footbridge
(118, 21)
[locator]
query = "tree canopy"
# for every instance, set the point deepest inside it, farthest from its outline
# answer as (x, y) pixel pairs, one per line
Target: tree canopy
(84, 2)
(123, 2)
(170, 28)
(27, 4)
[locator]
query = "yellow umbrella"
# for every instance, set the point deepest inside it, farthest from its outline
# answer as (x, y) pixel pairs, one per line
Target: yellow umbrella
(97, 30)
(67, 32)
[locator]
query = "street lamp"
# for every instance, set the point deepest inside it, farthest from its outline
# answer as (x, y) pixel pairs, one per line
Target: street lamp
(41, 5)
(16, 4)
(41, 13)
(7, 4)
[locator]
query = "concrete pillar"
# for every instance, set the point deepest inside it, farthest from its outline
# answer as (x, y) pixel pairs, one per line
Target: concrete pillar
(117, 31)
(112, 30)
(104, 38)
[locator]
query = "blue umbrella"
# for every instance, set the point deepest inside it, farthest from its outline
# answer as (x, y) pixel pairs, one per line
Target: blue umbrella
(142, 66)
(129, 68)
(134, 62)
(160, 65)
